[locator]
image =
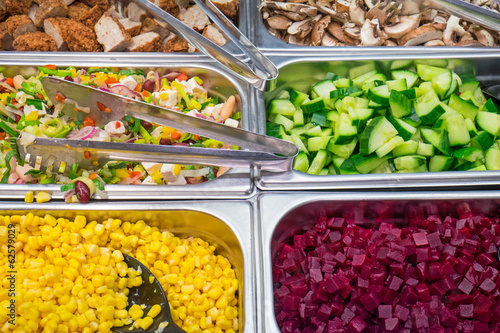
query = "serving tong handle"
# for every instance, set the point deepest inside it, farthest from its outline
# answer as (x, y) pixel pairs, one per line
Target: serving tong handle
(255, 68)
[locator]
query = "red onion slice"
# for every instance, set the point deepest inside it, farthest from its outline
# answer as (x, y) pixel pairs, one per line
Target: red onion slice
(123, 90)
(82, 134)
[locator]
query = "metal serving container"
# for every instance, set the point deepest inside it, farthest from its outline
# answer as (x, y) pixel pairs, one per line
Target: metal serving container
(235, 183)
(266, 42)
(301, 72)
(228, 224)
(283, 215)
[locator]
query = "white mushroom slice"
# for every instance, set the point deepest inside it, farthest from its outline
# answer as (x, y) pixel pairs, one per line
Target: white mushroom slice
(469, 43)
(279, 22)
(300, 29)
(404, 25)
(336, 31)
(357, 12)
(352, 31)
(435, 42)
(342, 6)
(292, 7)
(483, 36)
(371, 35)
(291, 15)
(329, 40)
(383, 15)
(453, 31)
(371, 3)
(319, 30)
(421, 35)
(390, 42)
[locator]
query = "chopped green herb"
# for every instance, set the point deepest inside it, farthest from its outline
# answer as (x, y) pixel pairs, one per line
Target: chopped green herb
(73, 172)
(33, 172)
(67, 187)
(117, 165)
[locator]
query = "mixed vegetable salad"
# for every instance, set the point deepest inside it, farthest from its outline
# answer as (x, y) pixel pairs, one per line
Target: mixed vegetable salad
(27, 112)
(419, 116)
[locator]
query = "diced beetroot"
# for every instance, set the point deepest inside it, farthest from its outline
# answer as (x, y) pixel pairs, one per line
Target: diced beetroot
(337, 308)
(316, 275)
(466, 310)
(334, 236)
(446, 269)
(340, 257)
(423, 254)
(384, 311)
(411, 282)
(434, 268)
(450, 249)
(422, 271)
(389, 296)
(398, 269)
(421, 321)
(357, 325)
(359, 260)
(397, 256)
(391, 324)
(363, 283)
(420, 239)
(335, 326)
(371, 300)
(395, 283)
(448, 318)
(482, 309)
(347, 316)
(488, 285)
(378, 277)
(298, 288)
(481, 327)
(324, 312)
(434, 240)
(423, 292)
(409, 295)
(291, 302)
(321, 328)
(382, 254)
(465, 286)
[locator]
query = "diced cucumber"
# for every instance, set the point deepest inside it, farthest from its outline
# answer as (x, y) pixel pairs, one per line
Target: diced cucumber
(466, 109)
(454, 86)
(409, 147)
(365, 164)
(332, 170)
(386, 167)
(355, 72)
(298, 142)
(440, 124)
(360, 80)
(469, 154)
(284, 95)
(490, 106)
(470, 86)
(413, 118)
(400, 104)
(378, 132)
(481, 167)
(478, 98)
(379, 95)
(318, 162)
(371, 84)
(409, 162)
(432, 62)
(343, 92)
(376, 106)
(298, 118)
(301, 162)
(345, 150)
(319, 119)
(401, 64)
(410, 77)
(344, 130)
(282, 106)
(442, 83)
(314, 131)
(471, 127)
(352, 102)
(438, 138)
(389, 146)
(428, 108)
(347, 168)
(363, 115)
(405, 130)
(410, 93)
(301, 129)
(317, 142)
(440, 163)
(425, 149)
(398, 84)
(482, 141)
(316, 105)
(332, 115)
(427, 73)
(327, 131)
(298, 97)
(354, 117)
(322, 89)
(273, 129)
(492, 159)
(490, 122)
(282, 120)
(458, 134)
(468, 166)
(342, 83)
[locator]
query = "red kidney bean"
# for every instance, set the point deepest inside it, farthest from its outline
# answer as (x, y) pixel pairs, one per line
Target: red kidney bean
(149, 86)
(68, 78)
(147, 125)
(165, 142)
(82, 191)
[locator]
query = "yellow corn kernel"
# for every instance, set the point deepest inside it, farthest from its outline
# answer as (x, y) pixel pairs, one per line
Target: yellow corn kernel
(146, 322)
(108, 312)
(231, 313)
(215, 292)
(187, 289)
(42, 197)
(29, 197)
(135, 312)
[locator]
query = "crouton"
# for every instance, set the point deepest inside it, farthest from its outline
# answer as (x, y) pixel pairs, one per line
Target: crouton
(132, 27)
(50, 8)
(34, 41)
(71, 34)
(151, 25)
(147, 42)
(195, 18)
(19, 25)
(136, 13)
(18, 7)
(77, 10)
(93, 15)
(175, 44)
(112, 35)
(228, 8)
(211, 32)
(169, 6)
(5, 38)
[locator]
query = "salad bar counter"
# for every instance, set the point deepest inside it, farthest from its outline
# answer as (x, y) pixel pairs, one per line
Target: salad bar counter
(386, 218)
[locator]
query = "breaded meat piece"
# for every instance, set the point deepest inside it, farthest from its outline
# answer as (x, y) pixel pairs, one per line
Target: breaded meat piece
(91, 17)
(18, 7)
(169, 6)
(211, 32)
(34, 41)
(135, 13)
(50, 8)
(147, 42)
(3, 11)
(92, 3)
(132, 27)
(113, 13)
(5, 38)
(77, 10)
(151, 25)
(195, 18)
(71, 34)
(175, 44)
(112, 35)
(228, 8)
(19, 25)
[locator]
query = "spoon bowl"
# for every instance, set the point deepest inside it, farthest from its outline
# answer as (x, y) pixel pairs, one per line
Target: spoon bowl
(149, 294)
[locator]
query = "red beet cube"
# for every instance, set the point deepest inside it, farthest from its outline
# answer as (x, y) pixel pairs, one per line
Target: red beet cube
(434, 240)
(401, 312)
(337, 308)
(448, 318)
(421, 321)
(423, 292)
(335, 326)
(465, 286)
(384, 311)
(363, 283)
(420, 239)
(378, 278)
(488, 285)
(357, 325)
(466, 310)
(371, 300)
(324, 312)
(347, 316)
(391, 324)
(423, 254)
(450, 249)
(359, 260)
(291, 302)
(482, 309)
(315, 275)
(336, 223)
(340, 257)
(395, 283)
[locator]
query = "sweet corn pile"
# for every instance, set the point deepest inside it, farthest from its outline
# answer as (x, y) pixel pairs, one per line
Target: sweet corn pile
(71, 276)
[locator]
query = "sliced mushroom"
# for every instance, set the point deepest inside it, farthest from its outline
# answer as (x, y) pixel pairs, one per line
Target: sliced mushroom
(483, 36)
(357, 12)
(342, 6)
(336, 31)
(352, 31)
(291, 7)
(301, 29)
(383, 13)
(453, 31)
(329, 40)
(318, 30)
(435, 42)
(469, 42)
(421, 35)
(279, 22)
(404, 25)
(371, 35)
(342, 17)
(371, 3)
(294, 16)
(299, 41)
(390, 42)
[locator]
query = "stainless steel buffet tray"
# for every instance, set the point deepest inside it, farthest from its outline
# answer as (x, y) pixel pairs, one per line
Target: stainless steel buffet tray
(300, 72)
(235, 183)
(228, 224)
(281, 215)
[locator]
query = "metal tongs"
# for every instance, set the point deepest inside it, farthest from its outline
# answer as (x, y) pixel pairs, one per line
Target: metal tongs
(254, 68)
(265, 152)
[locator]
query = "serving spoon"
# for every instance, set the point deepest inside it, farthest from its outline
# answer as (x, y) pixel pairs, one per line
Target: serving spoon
(149, 294)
